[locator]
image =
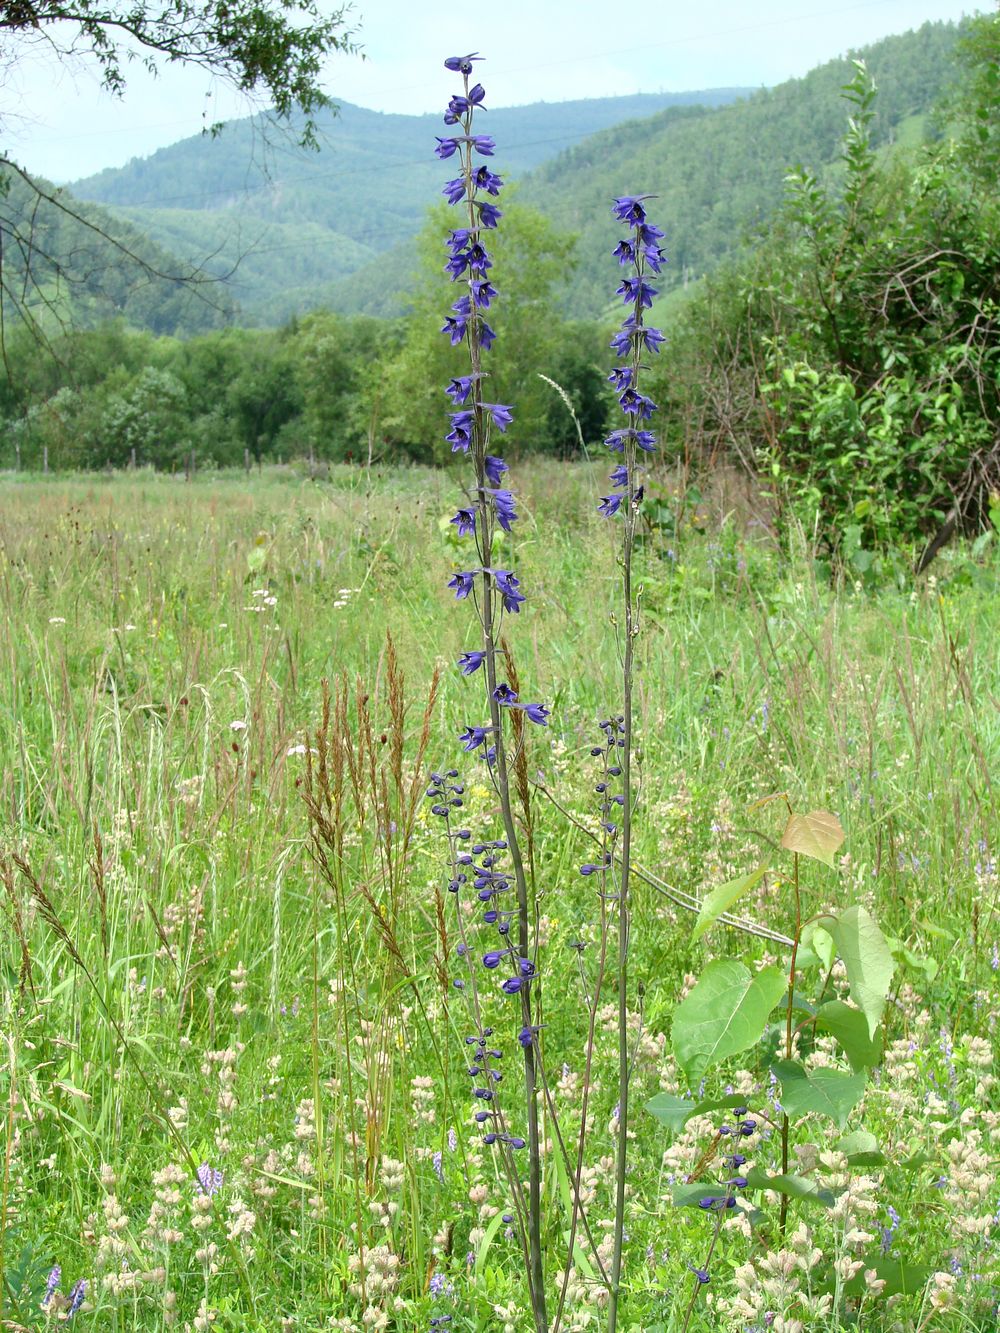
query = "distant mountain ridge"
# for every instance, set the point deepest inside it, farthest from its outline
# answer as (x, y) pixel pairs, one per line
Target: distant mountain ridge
(338, 229)
(304, 220)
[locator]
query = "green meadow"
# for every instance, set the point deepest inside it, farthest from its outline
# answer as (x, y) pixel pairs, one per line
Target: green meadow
(233, 1069)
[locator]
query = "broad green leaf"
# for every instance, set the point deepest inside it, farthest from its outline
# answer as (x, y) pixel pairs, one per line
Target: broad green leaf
(826, 1092)
(817, 834)
(819, 939)
(796, 1187)
(900, 1278)
(675, 1112)
(866, 956)
(687, 1196)
(725, 1013)
(722, 898)
(861, 1149)
(850, 1027)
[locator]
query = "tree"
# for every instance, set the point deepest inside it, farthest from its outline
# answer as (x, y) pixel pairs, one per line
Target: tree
(269, 49)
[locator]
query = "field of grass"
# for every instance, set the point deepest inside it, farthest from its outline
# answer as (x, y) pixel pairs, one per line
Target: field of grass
(233, 1072)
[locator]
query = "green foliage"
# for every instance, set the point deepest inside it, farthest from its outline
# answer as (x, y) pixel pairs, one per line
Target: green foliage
(858, 351)
(725, 1013)
(826, 1092)
(530, 259)
(861, 945)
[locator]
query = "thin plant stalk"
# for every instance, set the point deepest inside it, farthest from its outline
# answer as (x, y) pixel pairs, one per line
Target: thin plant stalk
(490, 618)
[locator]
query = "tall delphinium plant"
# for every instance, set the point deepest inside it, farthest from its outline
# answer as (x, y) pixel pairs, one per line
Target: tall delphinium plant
(640, 254)
(494, 591)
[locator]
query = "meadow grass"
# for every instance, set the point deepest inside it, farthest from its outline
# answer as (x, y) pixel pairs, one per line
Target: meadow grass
(226, 939)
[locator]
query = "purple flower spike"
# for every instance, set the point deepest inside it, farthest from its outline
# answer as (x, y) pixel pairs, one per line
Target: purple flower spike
(76, 1298)
(51, 1284)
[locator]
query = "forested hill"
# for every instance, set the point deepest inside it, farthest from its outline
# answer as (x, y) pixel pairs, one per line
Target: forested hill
(719, 177)
(302, 219)
(338, 229)
(67, 263)
(718, 173)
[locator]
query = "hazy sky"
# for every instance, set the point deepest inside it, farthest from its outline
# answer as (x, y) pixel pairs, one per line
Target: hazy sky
(56, 120)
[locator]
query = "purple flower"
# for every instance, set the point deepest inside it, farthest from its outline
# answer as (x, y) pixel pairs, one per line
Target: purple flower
(503, 504)
(619, 475)
(495, 468)
(645, 439)
(610, 504)
(483, 293)
(512, 985)
(629, 208)
(76, 1298)
(630, 332)
(504, 694)
(461, 64)
(470, 662)
(462, 426)
(473, 737)
(536, 713)
(701, 1274)
(489, 214)
(446, 147)
(460, 387)
(483, 144)
(455, 329)
(52, 1284)
(465, 521)
(501, 414)
(209, 1179)
(463, 583)
(637, 404)
(507, 585)
(636, 290)
(484, 179)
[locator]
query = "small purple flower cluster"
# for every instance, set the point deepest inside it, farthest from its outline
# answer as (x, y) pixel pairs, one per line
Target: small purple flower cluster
(643, 253)
(607, 752)
(209, 1179)
(742, 1128)
(76, 1297)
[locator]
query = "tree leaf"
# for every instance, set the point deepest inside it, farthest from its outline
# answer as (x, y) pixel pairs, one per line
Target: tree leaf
(796, 1187)
(725, 1013)
(900, 1278)
(828, 1092)
(675, 1112)
(816, 937)
(850, 1027)
(817, 834)
(722, 898)
(866, 956)
(861, 1149)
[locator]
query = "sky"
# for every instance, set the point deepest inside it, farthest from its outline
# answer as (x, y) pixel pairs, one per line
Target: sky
(57, 121)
